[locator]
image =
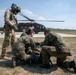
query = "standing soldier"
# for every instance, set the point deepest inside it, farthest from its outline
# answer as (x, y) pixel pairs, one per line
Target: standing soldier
(10, 26)
(54, 46)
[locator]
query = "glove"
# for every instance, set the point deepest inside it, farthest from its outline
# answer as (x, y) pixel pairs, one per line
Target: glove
(15, 27)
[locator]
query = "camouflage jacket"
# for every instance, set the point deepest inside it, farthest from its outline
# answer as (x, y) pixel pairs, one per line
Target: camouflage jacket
(24, 44)
(27, 41)
(53, 39)
(9, 16)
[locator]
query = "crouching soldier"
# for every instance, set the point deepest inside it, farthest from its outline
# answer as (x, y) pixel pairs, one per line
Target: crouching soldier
(64, 59)
(23, 49)
(53, 45)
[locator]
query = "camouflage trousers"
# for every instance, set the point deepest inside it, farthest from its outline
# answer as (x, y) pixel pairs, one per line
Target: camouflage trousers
(18, 50)
(48, 51)
(9, 39)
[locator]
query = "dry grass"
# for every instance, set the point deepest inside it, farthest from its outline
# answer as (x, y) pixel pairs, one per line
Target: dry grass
(64, 31)
(6, 65)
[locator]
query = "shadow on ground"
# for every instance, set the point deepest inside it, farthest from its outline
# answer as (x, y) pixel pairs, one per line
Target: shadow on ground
(36, 69)
(33, 68)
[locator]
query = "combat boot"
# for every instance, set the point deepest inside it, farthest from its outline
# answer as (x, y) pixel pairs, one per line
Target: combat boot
(71, 64)
(14, 62)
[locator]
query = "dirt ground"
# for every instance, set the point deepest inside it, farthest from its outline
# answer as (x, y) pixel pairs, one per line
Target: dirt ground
(33, 69)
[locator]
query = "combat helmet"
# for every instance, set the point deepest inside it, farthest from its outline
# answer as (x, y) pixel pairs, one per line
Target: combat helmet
(47, 30)
(15, 8)
(29, 31)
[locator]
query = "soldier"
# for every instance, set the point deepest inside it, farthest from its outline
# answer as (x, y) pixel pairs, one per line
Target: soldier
(10, 25)
(30, 30)
(23, 48)
(54, 46)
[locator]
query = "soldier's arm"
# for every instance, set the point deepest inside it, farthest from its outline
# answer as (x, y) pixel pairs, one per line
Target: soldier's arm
(45, 42)
(32, 43)
(7, 18)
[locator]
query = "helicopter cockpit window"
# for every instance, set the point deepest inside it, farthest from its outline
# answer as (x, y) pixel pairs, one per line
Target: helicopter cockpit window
(37, 26)
(21, 27)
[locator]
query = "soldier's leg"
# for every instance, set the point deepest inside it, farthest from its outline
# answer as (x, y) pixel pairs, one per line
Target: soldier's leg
(51, 51)
(45, 55)
(18, 49)
(6, 43)
(16, 60)
(61, 54)
(12, 38)
(62, 57)
(60, 61)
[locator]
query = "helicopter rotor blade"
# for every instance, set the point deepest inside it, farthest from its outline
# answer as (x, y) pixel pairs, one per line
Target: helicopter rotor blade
(46, 20)
(23, 20)
(28, 19)
(50, 20)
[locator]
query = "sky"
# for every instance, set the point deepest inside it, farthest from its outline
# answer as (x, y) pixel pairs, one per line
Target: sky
(63, 10)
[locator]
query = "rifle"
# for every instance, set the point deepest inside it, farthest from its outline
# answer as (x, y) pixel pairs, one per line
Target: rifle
(15, 27)
(3, 29)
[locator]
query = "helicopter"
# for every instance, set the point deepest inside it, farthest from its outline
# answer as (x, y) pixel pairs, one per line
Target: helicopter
(37, 27)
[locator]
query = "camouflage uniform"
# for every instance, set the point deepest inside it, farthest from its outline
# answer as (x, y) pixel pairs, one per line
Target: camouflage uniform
(48, 51)
(54, 46)
(23, 33)
(9, 31)
(23, 47)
